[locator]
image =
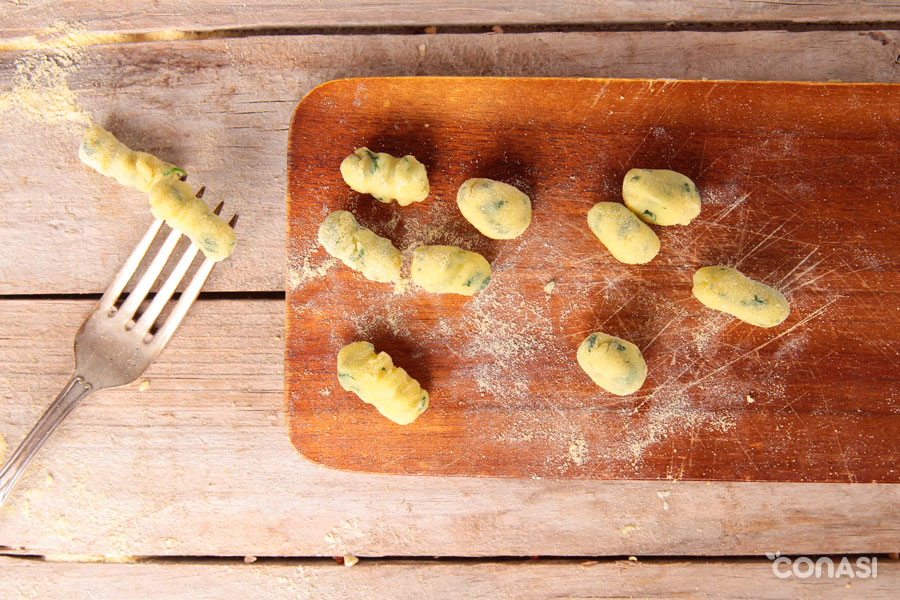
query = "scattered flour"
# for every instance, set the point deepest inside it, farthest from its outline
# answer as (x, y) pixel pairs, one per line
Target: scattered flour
(40, 90)
(66, 37)
(578, 451)
(305, 271)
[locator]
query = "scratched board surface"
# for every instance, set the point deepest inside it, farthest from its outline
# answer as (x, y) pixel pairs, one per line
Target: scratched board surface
(800, 190)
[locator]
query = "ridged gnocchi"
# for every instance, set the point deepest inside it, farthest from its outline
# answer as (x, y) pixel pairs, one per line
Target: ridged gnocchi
(359, 248)
(386, 177)
(101, 151)
(375, 379)
(170, 198)
(496, 209)
(450, 270)
(730, 291)
(626, 237)
(176, 202)
(661, 197)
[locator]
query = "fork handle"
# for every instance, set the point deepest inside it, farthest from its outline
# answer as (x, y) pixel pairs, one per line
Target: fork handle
(68, 399)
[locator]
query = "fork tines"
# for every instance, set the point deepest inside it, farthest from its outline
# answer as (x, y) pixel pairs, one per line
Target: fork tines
(136, 297)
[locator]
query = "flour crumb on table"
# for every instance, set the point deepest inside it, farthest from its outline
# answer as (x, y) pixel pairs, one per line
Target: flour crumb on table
(549, 287)
(144, 385)
(350, 560)
(40, 89)
(578, 451)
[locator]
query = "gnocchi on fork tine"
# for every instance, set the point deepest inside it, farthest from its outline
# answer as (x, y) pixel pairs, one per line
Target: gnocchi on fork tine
(111, 347)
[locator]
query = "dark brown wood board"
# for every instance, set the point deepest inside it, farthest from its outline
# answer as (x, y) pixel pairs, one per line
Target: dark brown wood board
(800, 190)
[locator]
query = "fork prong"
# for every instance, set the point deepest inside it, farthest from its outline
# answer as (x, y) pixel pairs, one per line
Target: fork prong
(121, 279)
(137, 295)
(161, 338)
(165, 292)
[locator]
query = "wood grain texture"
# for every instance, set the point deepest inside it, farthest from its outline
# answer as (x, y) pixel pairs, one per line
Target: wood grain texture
(778, 167)
(424, 580)
(200, 464)
(220, 108)
(33, 17)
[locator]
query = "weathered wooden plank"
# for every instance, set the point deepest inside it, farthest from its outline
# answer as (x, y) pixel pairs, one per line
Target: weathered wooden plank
(429, 580)
(129, 16)
(200, 464)
(220, 108)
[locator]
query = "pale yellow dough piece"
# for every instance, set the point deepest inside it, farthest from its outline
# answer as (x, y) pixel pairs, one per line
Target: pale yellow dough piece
(375, 379)
(614, 364)
(730, 291)
(176, 202)
(386, 177)
(496, 209)
(661, 197)
(101, 151)
(626, 237)
(170, 198)
(359, 248)
(450, 270)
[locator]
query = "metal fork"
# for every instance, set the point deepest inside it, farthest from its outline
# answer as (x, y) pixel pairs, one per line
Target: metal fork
(111, 348)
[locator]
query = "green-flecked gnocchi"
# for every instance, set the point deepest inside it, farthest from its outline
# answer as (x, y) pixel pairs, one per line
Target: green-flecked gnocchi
(101, 151)
(386, 177)
(450, 270)
(496, 209)
(626, 237)
(170, 198)
(661, 197)
(359, 248)
(614, 364)
(730, 291)
(176, 202)
(375, 379)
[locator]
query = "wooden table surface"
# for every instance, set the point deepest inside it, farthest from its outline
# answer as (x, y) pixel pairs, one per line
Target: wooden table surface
(163, 492)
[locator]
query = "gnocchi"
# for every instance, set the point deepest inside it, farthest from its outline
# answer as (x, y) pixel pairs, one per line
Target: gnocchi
(170, 198)
(626, 237)
(730, 291)
(614, 364)
(101, 151)
(386, 177)
(496, 209)
(661, 197)
(359, 248)
(450, 270)
(375, 379)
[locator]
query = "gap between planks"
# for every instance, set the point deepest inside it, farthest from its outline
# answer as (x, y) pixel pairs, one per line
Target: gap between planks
(428, 580)
(453, 15)
(103, 38)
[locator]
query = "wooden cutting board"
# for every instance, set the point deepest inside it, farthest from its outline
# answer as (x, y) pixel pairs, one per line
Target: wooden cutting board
(800, 189)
